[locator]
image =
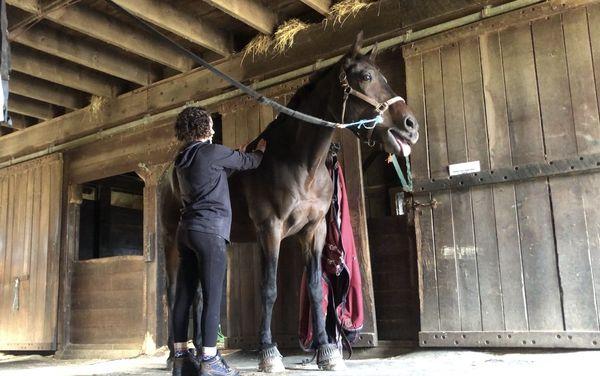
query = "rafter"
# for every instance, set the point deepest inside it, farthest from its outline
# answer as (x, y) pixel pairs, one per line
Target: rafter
(250, 12)
(30, 107)
(102, 27)
(113, 62)
(163, 14)
(45, 91)
(321, 6)
(58, 71)
(31, 6)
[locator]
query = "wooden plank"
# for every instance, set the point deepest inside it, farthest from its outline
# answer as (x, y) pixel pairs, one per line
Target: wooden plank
(4, 197)
(111, 61)
(589, 197)
(266, 117)
(506, 224)
(593, 13)
(180, 23)
(241, 126)
(583, 94)
(28, 233)
(576, 280)
(43, 241)
(428, 285)
(415, 94)
(18, 318)
(60, 72)
(533, 206)
(111, 31)
(253, 121)
(462, 212)
(321, 6)
(484, 226)
(46, 91)
(34, 294)
(50, 319)
(228, 126)
(436, 127)
(250, 12)
(30, 107)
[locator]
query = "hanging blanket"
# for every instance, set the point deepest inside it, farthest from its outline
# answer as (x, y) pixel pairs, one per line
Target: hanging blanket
(342, 287)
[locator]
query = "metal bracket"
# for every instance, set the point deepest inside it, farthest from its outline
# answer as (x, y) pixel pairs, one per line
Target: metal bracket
(557, 339)
(583, 164)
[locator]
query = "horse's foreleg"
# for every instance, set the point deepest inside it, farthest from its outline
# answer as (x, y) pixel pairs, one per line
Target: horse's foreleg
(270, 358)
(329, 357)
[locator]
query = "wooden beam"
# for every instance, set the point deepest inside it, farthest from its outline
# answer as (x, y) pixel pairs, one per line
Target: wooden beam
(321, 6)
(31, 6)
(112, 31)
(20, 121)
(113, 61)
(250, 12)
(30, 107)
(46, 91)
(58, 71)
(377, 23)
(164, 15)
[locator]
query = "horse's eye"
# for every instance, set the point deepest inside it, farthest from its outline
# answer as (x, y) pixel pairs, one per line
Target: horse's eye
(367, 77)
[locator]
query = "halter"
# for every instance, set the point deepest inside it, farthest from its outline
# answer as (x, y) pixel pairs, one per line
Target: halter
(380, 107)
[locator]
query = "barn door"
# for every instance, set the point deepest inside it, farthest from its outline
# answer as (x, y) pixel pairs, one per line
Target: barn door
(510, 256)
(30, 200)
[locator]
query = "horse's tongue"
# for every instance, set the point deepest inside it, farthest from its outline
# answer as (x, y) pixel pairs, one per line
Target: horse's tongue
(406, 149)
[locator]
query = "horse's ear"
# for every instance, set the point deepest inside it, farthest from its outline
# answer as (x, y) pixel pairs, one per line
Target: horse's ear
(372, 55)
(355, 50)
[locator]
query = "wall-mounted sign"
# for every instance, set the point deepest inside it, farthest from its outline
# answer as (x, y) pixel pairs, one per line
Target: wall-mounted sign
(464, 168)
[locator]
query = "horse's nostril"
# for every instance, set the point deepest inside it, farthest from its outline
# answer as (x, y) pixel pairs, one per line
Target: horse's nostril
(410, 122)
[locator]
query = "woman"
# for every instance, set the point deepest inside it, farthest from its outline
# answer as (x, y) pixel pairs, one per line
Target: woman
(202, 169)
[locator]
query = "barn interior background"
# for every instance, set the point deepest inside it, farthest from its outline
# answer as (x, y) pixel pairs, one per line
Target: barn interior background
(508, 257)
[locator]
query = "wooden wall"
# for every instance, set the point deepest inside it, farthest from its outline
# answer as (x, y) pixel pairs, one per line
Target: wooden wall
(522, 88)
(107, 301)
(30, 196)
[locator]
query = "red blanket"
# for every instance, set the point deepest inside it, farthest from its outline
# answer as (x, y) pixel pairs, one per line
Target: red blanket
(342, 286)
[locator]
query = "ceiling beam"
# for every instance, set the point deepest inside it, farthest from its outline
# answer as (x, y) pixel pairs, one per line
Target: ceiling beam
(112, 31)
(250, 12)
(321, 6)
(31, 6)
(20, 121)
(110, 61)
(30, 107)
(164, 15)
(63, 73)
(45, 91)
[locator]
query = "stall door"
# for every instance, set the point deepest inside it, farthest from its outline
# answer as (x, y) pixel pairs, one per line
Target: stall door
(510, 256)
(30, 199)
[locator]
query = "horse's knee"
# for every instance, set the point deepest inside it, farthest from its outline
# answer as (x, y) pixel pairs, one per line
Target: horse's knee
(270, 294)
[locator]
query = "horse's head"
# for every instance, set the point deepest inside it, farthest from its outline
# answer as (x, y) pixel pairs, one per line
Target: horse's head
(367, 94)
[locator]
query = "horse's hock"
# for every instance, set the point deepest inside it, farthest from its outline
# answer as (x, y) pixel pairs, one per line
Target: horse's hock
(508, 256)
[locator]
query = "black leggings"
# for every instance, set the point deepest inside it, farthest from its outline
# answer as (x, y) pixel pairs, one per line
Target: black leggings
(202, 258)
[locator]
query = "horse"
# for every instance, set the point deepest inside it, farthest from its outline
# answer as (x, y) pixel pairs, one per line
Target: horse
(290, 193)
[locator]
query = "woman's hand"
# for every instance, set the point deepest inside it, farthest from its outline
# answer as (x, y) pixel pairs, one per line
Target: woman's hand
(262, 145)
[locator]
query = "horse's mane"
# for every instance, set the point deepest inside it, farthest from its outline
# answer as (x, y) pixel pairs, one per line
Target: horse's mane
(301, 94)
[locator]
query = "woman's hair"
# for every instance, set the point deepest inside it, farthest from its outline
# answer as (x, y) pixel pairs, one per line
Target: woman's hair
(193, 123)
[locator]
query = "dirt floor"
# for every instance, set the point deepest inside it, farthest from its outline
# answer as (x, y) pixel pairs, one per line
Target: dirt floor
(391, 362)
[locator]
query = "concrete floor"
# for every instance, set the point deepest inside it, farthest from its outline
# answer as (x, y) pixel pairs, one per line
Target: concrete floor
(394, 362)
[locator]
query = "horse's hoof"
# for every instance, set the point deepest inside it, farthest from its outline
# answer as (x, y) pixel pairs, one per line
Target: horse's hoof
(270, 360)
(329, 358)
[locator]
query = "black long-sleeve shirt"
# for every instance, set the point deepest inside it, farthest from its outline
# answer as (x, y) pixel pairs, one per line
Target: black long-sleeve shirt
(202, 170)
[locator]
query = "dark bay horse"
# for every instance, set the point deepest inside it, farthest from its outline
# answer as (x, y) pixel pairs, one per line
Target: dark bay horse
(290, 193)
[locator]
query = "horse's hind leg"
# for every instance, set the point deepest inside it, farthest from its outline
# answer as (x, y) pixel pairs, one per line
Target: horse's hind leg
(329, 357)
(270, 360)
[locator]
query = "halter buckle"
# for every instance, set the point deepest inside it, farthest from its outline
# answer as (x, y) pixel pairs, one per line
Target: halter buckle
(382, 107)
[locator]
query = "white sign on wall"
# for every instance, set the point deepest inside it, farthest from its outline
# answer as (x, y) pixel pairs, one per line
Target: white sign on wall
(464, 168)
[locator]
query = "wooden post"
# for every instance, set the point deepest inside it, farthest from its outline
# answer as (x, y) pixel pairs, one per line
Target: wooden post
(154, 289)
(351, 161)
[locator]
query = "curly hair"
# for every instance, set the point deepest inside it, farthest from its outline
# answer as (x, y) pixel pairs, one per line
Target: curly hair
(193, 123)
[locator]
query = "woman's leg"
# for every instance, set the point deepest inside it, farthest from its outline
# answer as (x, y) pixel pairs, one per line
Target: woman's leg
(213, 263)
(187, 282)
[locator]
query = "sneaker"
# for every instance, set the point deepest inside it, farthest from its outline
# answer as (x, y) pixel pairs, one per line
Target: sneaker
(216, 366)
(184, 364)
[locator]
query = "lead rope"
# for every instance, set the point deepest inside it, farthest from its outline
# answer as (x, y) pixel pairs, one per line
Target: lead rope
(407, 182)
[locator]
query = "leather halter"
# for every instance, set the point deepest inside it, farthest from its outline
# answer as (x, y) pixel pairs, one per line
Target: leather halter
(380, 107)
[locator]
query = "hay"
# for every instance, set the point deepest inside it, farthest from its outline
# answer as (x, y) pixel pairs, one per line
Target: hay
(340, 12)
(259, 45)
(284, 36)
(96, 106)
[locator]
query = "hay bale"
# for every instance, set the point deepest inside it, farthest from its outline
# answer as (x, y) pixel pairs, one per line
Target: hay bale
(97, 104)
(259, 45)
(285, 34)
(340, 12)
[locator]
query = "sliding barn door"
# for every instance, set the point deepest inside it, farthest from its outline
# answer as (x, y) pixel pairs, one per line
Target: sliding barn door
(510, 256)
(30, 201)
